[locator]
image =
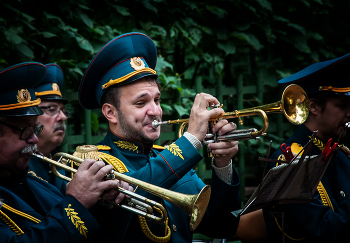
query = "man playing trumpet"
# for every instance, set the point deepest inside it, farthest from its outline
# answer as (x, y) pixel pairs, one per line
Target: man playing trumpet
(121, 81)
(31, 209)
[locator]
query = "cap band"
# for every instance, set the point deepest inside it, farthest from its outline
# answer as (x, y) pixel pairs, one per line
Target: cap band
(20, 105)
(122, 79)
(48, 93)
(330, 88)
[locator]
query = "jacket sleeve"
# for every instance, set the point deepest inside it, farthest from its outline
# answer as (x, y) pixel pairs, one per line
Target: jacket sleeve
(169, 166)
(68, 221)
(218, 221)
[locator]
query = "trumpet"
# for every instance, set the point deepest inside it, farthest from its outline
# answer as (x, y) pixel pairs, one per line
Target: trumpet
(194, 205)
(294, 104)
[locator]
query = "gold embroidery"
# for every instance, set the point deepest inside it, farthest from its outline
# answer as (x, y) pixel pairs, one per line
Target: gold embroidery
(137, 63)
(127, 145)
(34, 174)
(175, 150)
(23, 96)
(326, 201)
(79, 224)
(118, 165)
(318, 143)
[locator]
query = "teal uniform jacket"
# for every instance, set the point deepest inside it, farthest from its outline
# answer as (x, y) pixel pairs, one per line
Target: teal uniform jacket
(39, 199)
(172, 169)
(314, 221)
(43, 170)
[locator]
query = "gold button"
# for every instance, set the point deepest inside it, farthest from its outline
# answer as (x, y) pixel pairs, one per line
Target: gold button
(174, 227)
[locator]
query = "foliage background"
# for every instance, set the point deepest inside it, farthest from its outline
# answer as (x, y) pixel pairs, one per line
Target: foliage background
(257, 40)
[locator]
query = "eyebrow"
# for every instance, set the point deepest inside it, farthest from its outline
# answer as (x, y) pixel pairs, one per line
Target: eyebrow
(143, 95)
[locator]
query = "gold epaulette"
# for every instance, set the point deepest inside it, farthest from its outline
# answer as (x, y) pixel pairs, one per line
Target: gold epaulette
(92, 152)
(158, 147)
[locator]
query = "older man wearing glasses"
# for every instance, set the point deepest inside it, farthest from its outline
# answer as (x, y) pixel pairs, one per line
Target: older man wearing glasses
(53, 119)
(31, 209)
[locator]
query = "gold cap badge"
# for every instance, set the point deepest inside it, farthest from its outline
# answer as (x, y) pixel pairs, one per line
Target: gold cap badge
(55, 87)
(137, 63)
(23, 96)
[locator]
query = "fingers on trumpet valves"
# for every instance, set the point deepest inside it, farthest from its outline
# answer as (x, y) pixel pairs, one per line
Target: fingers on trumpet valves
(224, 147)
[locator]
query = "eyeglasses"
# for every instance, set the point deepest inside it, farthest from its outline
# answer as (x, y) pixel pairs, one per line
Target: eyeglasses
(54, 110)
(27, 131)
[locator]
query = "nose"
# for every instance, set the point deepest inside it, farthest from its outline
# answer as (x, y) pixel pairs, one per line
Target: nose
(154, 109)
(61, 116)
(33, 139)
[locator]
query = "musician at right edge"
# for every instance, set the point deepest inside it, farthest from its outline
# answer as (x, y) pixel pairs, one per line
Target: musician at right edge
(327, 218)
(121, 81)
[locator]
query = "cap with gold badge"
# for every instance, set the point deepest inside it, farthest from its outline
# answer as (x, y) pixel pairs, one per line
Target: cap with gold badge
(17, 96)
(50, 87)
(123, 60)
(332, 75)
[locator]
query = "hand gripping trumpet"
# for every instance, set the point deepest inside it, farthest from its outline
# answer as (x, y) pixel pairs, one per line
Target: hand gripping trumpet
(294, 104)
(194, 205)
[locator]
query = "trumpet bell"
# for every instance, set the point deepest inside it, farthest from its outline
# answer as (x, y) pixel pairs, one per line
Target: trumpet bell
(296, 104)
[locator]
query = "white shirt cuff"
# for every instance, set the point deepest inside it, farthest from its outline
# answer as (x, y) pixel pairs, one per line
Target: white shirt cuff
(193, 140)
(224, 173)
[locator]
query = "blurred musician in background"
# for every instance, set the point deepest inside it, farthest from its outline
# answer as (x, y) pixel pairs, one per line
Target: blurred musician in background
(121, 80)
(31, 209)
(327, 218)
(53, 119)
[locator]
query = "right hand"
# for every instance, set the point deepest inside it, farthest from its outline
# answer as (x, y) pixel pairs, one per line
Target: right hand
(87, 184)
(200, 115)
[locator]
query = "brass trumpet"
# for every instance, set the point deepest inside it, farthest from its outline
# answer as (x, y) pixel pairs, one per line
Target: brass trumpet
(294, 104)
(194, 205)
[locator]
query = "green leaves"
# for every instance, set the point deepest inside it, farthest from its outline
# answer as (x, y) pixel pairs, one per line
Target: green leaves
(25, 50)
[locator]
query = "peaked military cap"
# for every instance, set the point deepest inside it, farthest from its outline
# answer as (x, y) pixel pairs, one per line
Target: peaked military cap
(50, 87)
(17, 96)
(123, 60)
(332, 75)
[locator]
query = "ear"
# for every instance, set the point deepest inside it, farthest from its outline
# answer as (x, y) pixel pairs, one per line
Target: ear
(314, 108)
(110, 112)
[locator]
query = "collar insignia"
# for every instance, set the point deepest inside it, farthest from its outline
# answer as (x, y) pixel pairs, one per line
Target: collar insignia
(137, 63)
(127, 145)
(318, 143)
(23, 96)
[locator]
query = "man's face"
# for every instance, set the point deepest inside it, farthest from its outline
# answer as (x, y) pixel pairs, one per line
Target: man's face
(54, 125)
(14, 151)
(332, 120)
(139, 106)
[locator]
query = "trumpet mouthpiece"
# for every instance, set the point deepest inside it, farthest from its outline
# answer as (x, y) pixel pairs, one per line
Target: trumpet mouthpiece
(156, 123)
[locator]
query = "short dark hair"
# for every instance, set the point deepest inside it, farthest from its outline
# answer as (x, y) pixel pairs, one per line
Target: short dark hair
(321, 98)
(112, 95)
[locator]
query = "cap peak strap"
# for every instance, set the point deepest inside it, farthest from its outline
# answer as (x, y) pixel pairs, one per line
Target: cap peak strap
(122, 79)
(330, 88)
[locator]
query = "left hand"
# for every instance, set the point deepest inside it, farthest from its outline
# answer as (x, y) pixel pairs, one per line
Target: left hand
(228, 148)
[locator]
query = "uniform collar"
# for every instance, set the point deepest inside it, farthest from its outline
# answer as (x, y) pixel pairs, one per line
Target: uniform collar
(129, 146)
(7, 174)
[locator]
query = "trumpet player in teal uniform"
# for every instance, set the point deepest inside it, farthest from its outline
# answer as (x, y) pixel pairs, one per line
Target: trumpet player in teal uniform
(121, 80)
(327, 217)
(31, 209)
(53, 119)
